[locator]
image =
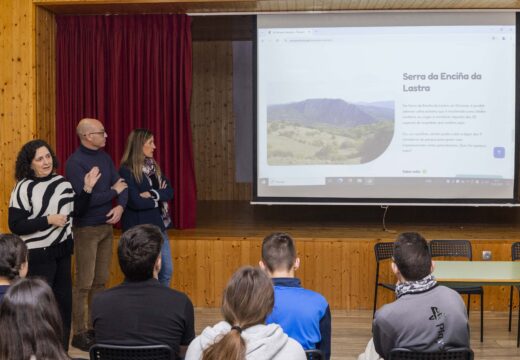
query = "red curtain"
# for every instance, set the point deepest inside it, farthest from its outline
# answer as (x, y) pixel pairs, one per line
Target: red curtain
(130, 72)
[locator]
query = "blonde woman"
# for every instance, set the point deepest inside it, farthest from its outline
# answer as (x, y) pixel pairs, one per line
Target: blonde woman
(148, 193)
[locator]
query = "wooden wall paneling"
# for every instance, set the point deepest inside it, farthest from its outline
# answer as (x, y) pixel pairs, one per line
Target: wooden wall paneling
(205, 290)
(5, 88)
(218, 165)
(199, 117)
(343, 270)
(322, 275)
(223, 86)
(233, 252)
(307, 251)
(184, 258)
(116, 275)
(213, 122)
(17, 95)
(359, 278)
(245, 253)
(232, 261)
(46, 76)
(255, 251)
(219, 267)
(346, 275)
(334, 263)
(494, 296)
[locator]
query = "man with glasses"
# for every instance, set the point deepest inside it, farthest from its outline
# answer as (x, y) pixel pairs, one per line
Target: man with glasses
(93, 230)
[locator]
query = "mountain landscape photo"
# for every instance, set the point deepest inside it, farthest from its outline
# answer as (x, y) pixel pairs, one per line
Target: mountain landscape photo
(328, 131)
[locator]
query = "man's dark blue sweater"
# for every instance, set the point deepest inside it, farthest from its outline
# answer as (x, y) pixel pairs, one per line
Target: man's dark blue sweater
(303, 314)
(80, 163)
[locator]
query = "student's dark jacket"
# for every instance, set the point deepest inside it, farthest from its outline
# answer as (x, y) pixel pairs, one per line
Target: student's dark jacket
(141, 210)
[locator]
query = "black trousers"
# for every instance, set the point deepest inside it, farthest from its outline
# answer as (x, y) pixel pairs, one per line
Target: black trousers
(56, 271)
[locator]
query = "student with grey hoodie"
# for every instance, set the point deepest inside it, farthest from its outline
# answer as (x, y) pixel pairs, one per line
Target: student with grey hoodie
(247, 300)
(426, 317)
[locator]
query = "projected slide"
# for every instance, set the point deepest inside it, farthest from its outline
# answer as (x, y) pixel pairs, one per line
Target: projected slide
(380, 111)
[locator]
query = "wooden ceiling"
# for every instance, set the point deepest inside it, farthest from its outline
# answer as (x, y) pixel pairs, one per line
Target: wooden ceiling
(257, 6)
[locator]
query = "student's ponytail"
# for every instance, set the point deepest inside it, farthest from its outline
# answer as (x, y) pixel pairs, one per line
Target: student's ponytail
(247, 300)
(230, 347)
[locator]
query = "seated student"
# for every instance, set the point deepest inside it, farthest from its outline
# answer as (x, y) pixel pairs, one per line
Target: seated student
(141, 311)
(425, 316)
(247, 300)
(30, 322)
(303, 314)
(13, 260)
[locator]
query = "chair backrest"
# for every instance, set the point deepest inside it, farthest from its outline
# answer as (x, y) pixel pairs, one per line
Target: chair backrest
(115, 352)
(314, 354)
(451, 248)
(452, 354)
(384, 250)
(515, 251)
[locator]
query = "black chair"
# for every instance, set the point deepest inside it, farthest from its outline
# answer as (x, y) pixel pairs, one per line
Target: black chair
(452, 354)
(515, 255)
(460, 249)
(115, 352)
(383, 251)
(314, 354)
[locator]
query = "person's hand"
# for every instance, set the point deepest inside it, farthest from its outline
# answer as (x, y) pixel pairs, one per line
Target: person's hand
(91, 179)
(145, 195)
(114, 215)
(58, 220)
(119, 186)
(164, 185)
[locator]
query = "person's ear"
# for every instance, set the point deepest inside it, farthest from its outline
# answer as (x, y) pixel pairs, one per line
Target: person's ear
(395, 269)
(24, 269)
(262, 265)
(158, 264)
(296, 265)
(432, 268)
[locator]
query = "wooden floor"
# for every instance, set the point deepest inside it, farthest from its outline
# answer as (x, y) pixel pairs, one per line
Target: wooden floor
(351, 331)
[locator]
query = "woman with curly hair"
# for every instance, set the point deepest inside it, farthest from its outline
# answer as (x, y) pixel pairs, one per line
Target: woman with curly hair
(247, 300)
(40, 211)
(13, 260)
(148, 193)
(30, 324)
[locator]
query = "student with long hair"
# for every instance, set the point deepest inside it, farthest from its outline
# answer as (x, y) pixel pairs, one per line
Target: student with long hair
(30, 323)
(247, 300)
(13, 260)
(148, 193)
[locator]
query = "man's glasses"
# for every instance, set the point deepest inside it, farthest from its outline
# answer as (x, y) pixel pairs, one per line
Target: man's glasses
(96, 132)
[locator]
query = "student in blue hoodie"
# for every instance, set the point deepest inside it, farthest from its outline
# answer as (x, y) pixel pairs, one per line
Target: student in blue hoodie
(303, 314)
